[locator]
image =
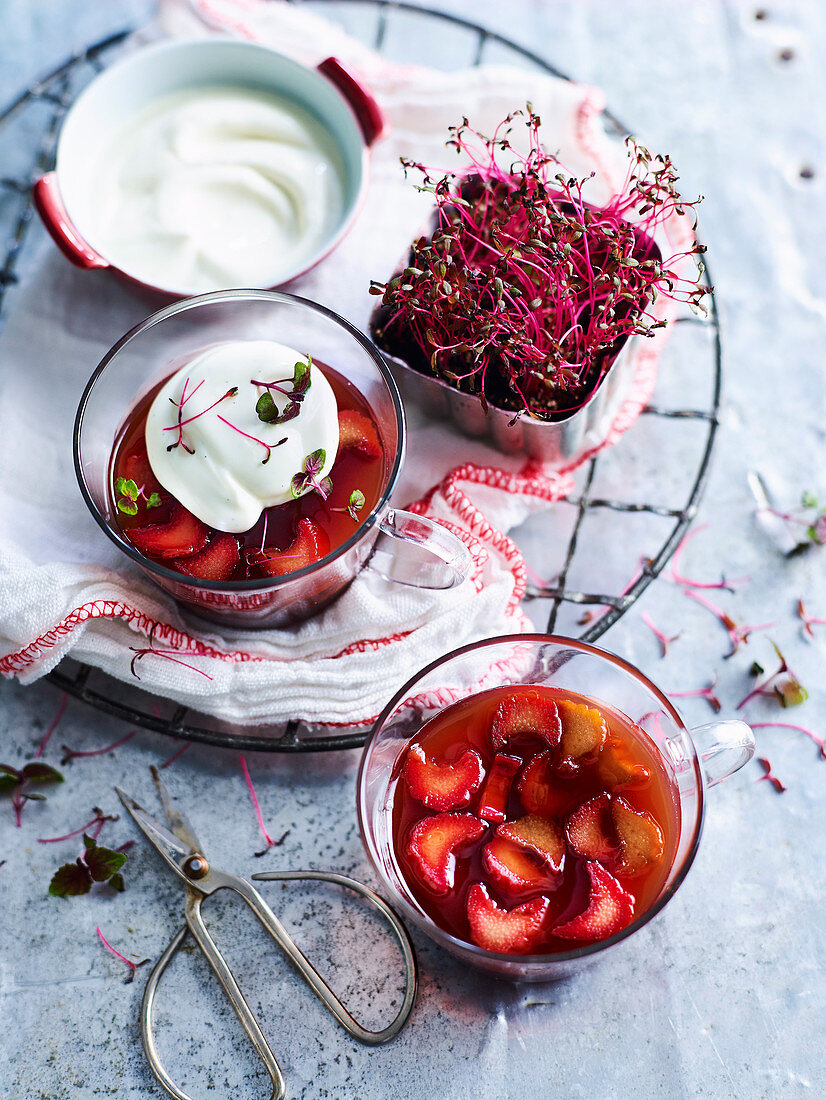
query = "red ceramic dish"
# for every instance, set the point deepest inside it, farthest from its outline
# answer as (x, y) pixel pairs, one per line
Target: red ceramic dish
(350, 115)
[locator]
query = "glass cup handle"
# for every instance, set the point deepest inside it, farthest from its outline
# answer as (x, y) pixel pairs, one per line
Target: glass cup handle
(419, 552)
(723, 747)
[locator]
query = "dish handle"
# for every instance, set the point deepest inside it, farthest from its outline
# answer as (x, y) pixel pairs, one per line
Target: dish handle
(371, 118)
(49, 205)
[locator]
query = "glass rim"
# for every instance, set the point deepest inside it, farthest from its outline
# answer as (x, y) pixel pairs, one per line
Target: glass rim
(217, 297)
(464, 947)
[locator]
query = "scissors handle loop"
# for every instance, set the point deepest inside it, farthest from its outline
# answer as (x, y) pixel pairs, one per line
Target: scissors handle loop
(311, 975)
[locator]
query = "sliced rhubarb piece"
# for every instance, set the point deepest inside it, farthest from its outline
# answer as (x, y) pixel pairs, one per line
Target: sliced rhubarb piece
(182, 535)
(583, 734)
(536, 834)
(216, 562)
(513, 869)
(433, 843)
(493, 804)
(136, 468)
(609, 909)
(507, 932)
(617, 769)
(539, 790)
(526, 714)
(311, 543)
(358, 432)
(589, 829)
(439, 785)
(639, 837)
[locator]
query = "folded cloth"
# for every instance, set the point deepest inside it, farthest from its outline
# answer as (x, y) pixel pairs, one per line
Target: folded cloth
(64, 589)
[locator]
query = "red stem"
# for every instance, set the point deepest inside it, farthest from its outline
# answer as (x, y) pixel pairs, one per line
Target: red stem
(254, 797)
(72, 754)
(55, 722)
(96, 823)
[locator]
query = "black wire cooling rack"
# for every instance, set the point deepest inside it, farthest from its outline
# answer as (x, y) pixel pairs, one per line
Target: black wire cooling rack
(611, 489)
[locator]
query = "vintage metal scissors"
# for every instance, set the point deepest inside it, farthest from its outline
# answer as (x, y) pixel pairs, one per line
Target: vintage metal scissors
(183, 852)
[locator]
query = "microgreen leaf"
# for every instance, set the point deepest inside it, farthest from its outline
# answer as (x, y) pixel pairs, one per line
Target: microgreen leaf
(8, 783)
(70, 880)
(266, 408)
(356, 503)
(153, 500)
(11, 772)
(128, 507)
(301, 377)
(314, 463)
(117, 883)
(89, 842)
(41, 773)
(299, 485)
(103, 862)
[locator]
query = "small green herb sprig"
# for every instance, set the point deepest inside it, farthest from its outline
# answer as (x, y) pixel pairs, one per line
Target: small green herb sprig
(15, 782)
(95, 864)
(128, 496)
(299, 387)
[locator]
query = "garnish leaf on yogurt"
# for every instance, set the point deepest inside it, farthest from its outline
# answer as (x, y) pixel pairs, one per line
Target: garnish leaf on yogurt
(266, 407)
(307, 478)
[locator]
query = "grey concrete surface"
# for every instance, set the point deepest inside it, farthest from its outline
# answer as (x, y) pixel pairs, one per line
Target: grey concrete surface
(723, 995)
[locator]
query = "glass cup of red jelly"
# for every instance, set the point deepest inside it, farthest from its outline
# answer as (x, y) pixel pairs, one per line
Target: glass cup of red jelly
(400, 546)
(531, 801)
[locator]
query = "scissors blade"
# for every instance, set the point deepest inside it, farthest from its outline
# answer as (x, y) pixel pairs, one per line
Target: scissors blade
(170, 847)
(178, 822)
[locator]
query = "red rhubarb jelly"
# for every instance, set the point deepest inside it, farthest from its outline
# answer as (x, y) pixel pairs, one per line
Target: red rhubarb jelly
(531, 820)
(286, 537)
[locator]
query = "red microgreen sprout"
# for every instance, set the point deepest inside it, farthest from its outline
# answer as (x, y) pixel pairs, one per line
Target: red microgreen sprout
(151, 648)
(70, 754)
(93, 828)
(55, 722)
(259, 816)
(664, 641)
(268, 447)
(95, 864)
(738, 635)
(700, 693)
(808, 620)
(726, 583)
(524, 290)
(782, 685)
(129, 494)
(307, 478)
(133, 966)
(776, 782)
(354, 505)
(819, 741)
(299, 385)
(15, 782)
(181, 424)
(179, 752)
(806, 524)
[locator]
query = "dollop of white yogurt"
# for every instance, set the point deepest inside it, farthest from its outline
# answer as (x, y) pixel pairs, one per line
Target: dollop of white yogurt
(214, 187)
(229, 464)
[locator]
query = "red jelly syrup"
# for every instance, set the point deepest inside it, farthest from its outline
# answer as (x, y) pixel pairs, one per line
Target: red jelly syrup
(289, 545)
(559, 807)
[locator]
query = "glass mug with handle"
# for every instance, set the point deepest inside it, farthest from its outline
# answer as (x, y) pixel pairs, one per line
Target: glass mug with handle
(692, 761)
(399, 546)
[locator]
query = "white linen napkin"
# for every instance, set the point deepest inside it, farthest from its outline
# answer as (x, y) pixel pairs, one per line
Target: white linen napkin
(64, 589)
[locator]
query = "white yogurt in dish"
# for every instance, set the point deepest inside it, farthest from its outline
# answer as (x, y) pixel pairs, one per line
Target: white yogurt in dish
(215, 187)
(228, 464)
